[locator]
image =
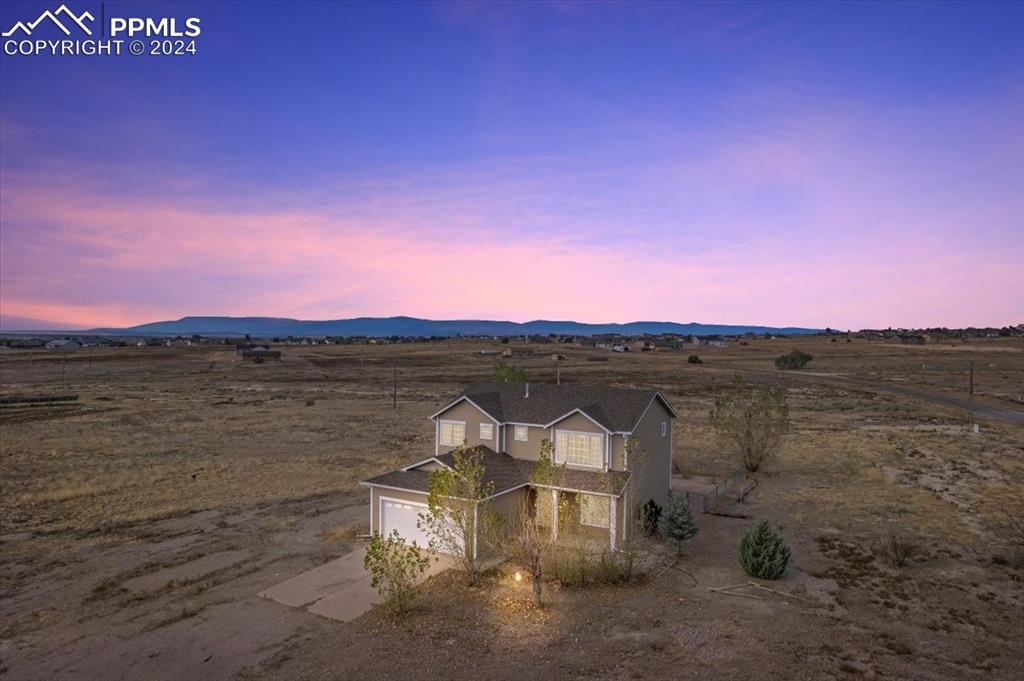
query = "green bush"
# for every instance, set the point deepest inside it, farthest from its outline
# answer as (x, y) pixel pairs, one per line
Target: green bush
(763, 553)
(676, 524)
(394, 568)
(503, 373)
(797, 359)
(694, 359)
(650, 513)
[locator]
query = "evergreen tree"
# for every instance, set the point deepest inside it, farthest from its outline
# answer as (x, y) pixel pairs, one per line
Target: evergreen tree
(676, 524)
(763, 553)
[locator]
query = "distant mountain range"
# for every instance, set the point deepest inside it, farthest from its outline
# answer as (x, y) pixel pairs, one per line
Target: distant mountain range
(264, 327)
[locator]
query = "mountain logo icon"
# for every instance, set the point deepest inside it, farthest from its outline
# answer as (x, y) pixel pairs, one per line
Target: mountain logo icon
(54, 17)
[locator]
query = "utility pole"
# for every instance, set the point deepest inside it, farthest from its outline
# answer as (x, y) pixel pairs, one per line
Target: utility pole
(64, 372)
(972, 395)
(394, 391)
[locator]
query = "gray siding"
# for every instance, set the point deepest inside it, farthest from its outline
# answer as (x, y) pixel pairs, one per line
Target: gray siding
(472, 417)
(650, 463)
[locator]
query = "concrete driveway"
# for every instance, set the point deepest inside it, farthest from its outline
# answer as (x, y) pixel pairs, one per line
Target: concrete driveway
(339, 589)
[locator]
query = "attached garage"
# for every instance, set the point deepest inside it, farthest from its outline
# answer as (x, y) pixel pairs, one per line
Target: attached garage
(403, 516)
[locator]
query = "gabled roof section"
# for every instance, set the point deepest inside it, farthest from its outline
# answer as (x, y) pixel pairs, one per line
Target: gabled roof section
(507, 474)
(615, 409)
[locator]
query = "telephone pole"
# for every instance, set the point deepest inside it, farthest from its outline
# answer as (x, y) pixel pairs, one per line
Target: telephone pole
(972, 395)
(394, 391)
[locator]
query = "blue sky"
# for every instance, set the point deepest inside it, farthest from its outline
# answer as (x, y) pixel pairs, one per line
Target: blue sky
(849, 165)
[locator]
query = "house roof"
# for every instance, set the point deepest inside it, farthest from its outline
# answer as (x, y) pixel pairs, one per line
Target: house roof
(507, 473)
(616, 409)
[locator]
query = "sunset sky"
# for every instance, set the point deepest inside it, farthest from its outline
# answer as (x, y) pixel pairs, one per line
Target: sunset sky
(845, 165)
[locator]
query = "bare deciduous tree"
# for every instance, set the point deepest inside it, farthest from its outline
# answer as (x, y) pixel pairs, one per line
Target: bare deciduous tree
(751, 420)
(530, 543)
(459, 518)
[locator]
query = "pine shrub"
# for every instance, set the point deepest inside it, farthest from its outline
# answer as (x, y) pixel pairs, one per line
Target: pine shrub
(676, 524)
(763, 553)
(650, 513)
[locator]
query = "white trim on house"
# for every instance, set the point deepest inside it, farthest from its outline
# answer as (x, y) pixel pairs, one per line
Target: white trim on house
(554, 514)
(503, 492)
(670, 455)
(613, 513)
(481, 409)
(413, 466)
(577, 409)
(397, 489)
(664, 403)
(570, 489)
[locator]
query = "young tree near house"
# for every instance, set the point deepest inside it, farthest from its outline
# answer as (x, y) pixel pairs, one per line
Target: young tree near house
(751, 421)
(677, 524)
(529, 543)
(394, 568)
(459, 517)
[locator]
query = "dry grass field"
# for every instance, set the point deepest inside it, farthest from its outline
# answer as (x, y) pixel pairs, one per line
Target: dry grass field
(137, 525)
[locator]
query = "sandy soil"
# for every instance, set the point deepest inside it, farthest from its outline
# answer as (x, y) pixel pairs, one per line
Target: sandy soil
(137, 527)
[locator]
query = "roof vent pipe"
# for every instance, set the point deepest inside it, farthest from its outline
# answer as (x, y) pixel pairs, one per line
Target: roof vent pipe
(527, 389)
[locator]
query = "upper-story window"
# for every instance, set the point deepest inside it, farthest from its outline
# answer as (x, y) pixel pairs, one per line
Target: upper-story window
(579, 449)
(486, 431)
(452, 433)
(522, 433)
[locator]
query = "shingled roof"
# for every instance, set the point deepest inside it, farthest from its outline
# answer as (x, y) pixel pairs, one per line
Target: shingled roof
(617, 409)
(507, 473)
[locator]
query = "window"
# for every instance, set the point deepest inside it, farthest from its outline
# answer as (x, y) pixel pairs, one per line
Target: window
(664, 428)
(453, 433)
(486, 431)
(579, 449)
(522, 433)
(594, 510)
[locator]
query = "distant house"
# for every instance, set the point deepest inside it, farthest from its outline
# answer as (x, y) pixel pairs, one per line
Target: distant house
(242, 348)
(717, 343)
(260, 353)
(620, 348)
(913, 339)
(63, 345)
(507, 352)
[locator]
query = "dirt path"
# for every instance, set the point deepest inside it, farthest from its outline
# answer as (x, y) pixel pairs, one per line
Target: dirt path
(980, 408)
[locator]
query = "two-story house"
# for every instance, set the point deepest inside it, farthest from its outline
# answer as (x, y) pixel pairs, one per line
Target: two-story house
(615, 444)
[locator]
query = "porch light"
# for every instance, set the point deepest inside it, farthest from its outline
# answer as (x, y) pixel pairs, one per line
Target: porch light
(518, 577)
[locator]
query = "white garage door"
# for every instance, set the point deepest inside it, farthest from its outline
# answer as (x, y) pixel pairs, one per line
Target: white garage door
(402, 516)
